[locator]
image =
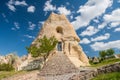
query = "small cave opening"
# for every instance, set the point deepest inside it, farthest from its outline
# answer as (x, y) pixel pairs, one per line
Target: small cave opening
(59, 30)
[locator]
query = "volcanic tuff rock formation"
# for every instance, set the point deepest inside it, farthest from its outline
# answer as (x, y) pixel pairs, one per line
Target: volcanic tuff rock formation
(68, 44)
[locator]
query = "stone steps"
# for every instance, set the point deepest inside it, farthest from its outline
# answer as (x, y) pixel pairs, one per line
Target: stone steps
(58, 64)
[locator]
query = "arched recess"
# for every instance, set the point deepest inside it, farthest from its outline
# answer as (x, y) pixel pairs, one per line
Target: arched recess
(59, 30)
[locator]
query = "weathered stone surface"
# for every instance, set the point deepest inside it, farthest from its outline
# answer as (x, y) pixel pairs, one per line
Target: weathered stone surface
(11, 59)
(33, 65)
(87, 75)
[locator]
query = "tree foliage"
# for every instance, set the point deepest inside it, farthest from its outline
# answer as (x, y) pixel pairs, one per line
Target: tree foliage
(6, 67)
(110, 52)
(102, 54)
(106, 53)
(46, 45)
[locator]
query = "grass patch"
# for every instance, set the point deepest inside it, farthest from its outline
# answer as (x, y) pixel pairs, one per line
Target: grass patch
(4, 74)
(106, 62)
(108, 76)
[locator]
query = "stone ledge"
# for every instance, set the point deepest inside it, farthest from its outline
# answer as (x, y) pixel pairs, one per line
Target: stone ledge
(87, 75)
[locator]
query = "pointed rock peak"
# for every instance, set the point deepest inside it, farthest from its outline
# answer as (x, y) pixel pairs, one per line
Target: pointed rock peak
(53, 16)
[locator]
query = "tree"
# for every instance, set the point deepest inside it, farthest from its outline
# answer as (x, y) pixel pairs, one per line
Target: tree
(46, 45)
(102, 54)
(110, 52)
(33, 50)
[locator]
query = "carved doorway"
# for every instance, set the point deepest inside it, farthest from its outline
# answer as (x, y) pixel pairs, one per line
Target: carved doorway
(59, 46)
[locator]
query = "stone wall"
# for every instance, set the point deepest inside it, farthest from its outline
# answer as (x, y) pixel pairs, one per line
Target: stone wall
(87, 75)
(33, 65)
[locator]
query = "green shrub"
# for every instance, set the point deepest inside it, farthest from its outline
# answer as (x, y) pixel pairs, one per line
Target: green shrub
(6, 67)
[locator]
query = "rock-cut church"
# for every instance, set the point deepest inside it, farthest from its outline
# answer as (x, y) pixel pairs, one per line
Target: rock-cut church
(68, 54)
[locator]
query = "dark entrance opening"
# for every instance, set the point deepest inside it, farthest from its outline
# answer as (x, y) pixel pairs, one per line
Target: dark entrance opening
(59, 46)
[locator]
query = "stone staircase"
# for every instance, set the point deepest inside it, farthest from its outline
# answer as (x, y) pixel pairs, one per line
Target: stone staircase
(58, 64)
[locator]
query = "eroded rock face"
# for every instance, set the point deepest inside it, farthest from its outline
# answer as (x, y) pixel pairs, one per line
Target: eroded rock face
(59, 27)
(11, 59)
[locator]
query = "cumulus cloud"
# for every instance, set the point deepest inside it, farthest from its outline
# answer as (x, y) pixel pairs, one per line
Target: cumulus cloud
(102, 37)
(85, 41)
(31, 9)
(31, 26)
(29, 36)
(97, 46)
(48, 6)
(63, 10)
(114, 24)
(102, 25)
(91, 30)
(117, 29)
(22, 3)
(91, 10)
(113, 17)
(12, 3)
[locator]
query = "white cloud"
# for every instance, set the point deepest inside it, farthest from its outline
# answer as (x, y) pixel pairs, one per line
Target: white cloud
(16, 24)
(22, 3)
(114, 24)
(113, 17)
(48, 6)
(102, 37)
(117, 29)
(11, 7)
(91, 30)
(12, 3)
(101, 26)
(85, 41)
(103, 46)
(28, 36)
(96, 20)
(118, 1)
(91, 10)
(63, 10)
(31, 26)
(31, 9)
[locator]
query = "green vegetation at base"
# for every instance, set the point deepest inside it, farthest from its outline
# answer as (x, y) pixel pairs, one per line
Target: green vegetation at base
(108, 76)
(105, 62)
(6, 67)
(4, 74)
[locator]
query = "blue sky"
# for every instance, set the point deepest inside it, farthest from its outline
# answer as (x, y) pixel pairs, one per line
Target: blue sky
(97, 23)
